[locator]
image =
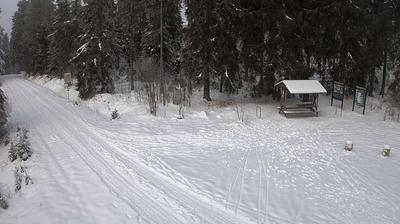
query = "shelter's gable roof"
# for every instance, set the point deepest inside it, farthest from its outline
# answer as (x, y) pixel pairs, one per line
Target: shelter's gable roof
(303, 86)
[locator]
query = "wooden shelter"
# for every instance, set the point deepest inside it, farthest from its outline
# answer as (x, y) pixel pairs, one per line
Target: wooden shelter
(299, 97)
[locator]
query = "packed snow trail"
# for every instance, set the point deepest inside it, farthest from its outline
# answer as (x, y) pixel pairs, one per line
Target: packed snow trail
(207, 168)
(84, 166)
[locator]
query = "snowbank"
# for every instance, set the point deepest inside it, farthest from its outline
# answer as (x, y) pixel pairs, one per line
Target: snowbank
(103, 104)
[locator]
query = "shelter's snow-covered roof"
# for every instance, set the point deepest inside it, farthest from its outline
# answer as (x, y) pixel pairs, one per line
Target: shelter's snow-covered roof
(303, 86)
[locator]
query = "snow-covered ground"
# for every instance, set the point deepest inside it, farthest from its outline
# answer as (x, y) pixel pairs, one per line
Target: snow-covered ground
(207, 168)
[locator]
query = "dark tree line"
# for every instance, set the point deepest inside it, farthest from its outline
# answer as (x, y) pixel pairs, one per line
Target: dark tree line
(4, 51)
(4, 66)
(219, 44)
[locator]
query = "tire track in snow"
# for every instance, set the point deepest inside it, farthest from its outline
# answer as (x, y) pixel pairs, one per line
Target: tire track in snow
(209, 214)
(149, 210)
(266, 203)
(34, 130)
(260, 172)
(242, 180)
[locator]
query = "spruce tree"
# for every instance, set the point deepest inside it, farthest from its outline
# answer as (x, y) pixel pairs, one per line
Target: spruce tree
(172, 28)
(200, 42)
(18, 51)
(30, 29)
(97, 54)
(131, 20)
(394, 53)
(35, 38)
(40, 56)
(4, 52)
(62, 38)
(227, 53)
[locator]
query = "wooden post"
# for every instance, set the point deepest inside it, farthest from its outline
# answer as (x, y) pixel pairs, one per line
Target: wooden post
(386, 151)
(348, 146)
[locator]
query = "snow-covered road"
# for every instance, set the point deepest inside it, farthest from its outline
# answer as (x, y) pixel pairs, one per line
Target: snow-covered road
(204, 169)
(87, 180)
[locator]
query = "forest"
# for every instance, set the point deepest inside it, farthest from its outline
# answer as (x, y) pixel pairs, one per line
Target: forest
(221, 45)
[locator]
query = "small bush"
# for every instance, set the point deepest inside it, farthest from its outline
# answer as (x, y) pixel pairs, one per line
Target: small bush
(23, 145)
(3, 202)
(6, 140)
(114, 115)
(3, 113)
(12, 153)
(21, 148)
(21, 176)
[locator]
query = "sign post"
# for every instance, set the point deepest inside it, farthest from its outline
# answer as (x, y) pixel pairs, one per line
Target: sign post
(338, 91)
(68, 82)
(360, 98)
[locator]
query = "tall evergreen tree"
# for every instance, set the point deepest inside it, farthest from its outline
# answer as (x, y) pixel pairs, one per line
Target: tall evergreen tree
(4, 52)
(30, 29)
(41, 52)
(62, 38)
(200, 41)
(39, 13)
(97, 54)
(131, 20)
(18, 51)
(171, 35)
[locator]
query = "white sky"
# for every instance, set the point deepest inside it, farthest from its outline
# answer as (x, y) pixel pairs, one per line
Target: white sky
(8, 7)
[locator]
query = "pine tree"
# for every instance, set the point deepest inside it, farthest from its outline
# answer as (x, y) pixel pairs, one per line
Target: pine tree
(4, 52)
(200, 41)
(41, 54)
(172, 28)
(97, 54)
(18, 51)
(395, 52)
(131, 26)
(28, 44)
(62, 38)
(227, 53)
(35, 38)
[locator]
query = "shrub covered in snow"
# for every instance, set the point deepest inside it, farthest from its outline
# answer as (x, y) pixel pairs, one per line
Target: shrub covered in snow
(12, 153)
(3, 202)
(114, 115)
(20, 148)
(3, 113)
(21, 177)
(6, 140)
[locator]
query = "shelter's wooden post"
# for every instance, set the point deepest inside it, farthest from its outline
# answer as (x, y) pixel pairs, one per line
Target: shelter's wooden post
(317, 103)
(285, 97)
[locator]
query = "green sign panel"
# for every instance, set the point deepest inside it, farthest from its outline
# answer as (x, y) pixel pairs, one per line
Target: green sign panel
(338, 91)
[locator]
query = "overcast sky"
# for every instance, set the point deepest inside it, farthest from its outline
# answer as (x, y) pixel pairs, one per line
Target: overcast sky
(8, 7)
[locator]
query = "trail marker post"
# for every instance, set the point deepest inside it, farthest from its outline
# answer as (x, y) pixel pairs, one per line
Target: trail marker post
(386, 151)
(348, 146)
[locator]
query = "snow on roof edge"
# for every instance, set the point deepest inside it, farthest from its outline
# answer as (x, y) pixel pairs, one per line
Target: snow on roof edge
(303, 86)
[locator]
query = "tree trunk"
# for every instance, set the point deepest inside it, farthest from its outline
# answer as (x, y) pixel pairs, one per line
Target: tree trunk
(206, 83)
(221, 84)
(384, 75)
(371, 82)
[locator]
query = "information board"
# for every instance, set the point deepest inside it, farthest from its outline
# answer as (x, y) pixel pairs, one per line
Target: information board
(360, 98)
(68, 79)
(338, 91)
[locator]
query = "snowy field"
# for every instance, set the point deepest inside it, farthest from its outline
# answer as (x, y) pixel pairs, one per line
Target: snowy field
(206, 168)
